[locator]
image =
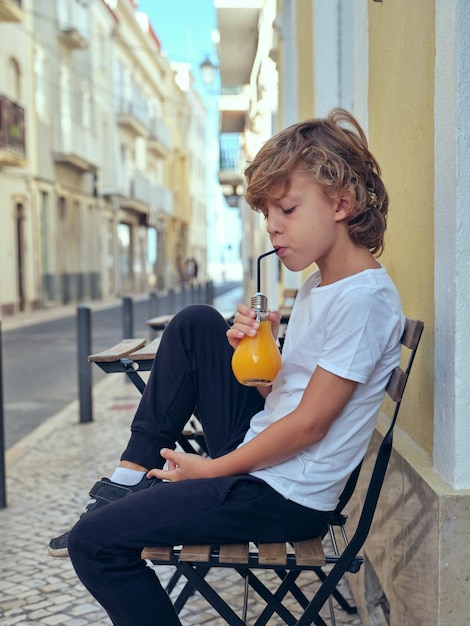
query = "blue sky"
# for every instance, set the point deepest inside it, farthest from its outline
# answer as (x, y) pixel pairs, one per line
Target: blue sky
(184, 28)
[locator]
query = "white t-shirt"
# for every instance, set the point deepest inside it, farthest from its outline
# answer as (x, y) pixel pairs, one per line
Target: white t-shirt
(351, 328)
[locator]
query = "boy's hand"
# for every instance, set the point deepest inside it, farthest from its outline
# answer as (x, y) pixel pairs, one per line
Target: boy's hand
(181, 466)
(246, 325)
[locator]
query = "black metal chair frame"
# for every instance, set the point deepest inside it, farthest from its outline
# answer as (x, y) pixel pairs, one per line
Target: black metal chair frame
(347, 560)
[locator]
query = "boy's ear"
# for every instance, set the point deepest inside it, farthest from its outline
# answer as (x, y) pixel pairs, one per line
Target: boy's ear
(344, 206)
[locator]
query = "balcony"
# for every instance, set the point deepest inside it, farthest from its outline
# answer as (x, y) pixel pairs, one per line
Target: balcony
(140, 188)
(137, 194)
(133, 118)
(73, 25)
(238, 26)
(11, 11)
(162, 199)
(12, 134)
(76, 147)
(239, 37)
(135, 199)
(159, 138)
(232, 163)
(234, 105)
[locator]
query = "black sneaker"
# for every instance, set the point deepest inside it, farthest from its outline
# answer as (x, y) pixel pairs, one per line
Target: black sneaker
(102, 492)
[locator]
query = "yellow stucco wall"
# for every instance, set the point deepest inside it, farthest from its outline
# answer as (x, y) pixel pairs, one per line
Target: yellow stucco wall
(305, 75)
(401, 134)
(304, 38)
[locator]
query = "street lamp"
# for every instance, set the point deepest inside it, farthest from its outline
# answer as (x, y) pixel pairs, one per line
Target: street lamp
(208, 71)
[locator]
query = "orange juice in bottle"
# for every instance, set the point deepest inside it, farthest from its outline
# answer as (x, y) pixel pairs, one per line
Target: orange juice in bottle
(256, 361)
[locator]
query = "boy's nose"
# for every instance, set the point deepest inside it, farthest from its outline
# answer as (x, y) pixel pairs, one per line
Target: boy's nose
(273, 225)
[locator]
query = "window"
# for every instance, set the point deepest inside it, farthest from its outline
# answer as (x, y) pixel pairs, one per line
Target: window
(86, 105)
(125, 251)
(65, 112)
(40, 80)
(14, 79)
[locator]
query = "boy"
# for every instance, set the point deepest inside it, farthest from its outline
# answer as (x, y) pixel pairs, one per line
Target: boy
(279, 457)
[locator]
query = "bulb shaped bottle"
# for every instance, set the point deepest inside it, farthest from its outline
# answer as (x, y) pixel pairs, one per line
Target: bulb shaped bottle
(256, 360)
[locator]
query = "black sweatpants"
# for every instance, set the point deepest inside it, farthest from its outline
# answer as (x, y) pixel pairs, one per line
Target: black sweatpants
(191, 374)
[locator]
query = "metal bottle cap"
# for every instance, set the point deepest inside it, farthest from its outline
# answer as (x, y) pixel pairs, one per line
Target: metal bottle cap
(259, 302)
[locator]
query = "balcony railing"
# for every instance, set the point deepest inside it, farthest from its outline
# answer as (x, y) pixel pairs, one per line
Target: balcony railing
(76, 145)
(162, 199)
(140, 188)
(234, 104)
(73, 24)
(231, 166)
(11, 11)
(12, 132)
(159, 139)
(133, 116)
(231, 162)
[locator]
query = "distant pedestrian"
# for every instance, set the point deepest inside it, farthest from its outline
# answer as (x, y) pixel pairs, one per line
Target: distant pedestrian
(192, 269)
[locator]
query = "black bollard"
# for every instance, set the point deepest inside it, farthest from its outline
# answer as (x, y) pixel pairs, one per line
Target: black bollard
(209, 294)
(127, 318)
(179, 299)
(154, 304)
(154, 311)
(127, 321)
(3, 487)
(84, 367)
(186, 294)
(171, 301)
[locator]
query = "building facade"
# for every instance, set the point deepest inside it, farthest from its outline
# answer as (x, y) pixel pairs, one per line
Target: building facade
(16, 221)
(248, 109)
(97, 185)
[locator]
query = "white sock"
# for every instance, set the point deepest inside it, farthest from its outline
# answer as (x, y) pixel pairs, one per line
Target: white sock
(122, 476)
(126, 476)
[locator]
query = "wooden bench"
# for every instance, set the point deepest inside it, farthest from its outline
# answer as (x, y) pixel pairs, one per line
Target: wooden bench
(133, 356)
(160, 322)
(135, 350)
(130, 357)
(118, 351)
(146, 352)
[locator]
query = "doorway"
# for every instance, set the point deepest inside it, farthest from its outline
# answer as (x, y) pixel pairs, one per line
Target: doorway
(20, 265)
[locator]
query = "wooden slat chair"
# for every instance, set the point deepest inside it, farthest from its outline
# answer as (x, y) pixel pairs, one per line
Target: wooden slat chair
(287, 302)
(288, 297)
(194, 562)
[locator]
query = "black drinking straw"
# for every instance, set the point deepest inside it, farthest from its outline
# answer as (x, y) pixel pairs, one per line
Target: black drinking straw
(259, 267)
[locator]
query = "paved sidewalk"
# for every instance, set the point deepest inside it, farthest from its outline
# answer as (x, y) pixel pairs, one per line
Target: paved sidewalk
(49, 473)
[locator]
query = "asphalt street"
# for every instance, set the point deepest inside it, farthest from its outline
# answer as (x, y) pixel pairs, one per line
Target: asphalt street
(40, 362)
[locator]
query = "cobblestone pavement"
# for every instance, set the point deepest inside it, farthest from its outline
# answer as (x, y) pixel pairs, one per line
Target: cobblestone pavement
(49, 474)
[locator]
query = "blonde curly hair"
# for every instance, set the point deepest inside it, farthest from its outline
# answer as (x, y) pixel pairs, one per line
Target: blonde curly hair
(334, 152)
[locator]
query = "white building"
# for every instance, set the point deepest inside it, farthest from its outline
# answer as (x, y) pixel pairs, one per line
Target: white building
(99, 194)
(17, 225)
